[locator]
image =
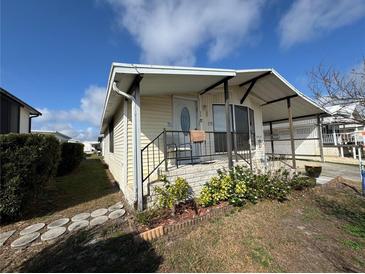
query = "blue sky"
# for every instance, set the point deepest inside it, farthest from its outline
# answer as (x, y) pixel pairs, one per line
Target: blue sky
(56, 54)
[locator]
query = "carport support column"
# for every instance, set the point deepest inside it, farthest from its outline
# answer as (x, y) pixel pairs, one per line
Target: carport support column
(228, 125)
(136, 116)
(292, 144)
(272, 140)
(320, 137)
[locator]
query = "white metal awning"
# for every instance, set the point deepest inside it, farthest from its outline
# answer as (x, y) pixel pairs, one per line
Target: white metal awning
(158, 80)
(270, 88)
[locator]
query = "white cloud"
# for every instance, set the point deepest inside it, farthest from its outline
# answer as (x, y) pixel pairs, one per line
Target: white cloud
(80, 123)
(307, 19)
(171, 31)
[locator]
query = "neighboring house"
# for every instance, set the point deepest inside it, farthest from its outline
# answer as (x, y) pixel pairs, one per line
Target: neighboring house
(60, 136)
(174, 121)
(91, 147)
(16, 115)
(341, 134)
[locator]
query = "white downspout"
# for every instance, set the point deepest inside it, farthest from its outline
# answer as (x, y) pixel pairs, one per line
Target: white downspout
(135, 145)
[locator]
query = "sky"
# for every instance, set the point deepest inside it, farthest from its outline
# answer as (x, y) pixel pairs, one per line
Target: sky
(56, 54)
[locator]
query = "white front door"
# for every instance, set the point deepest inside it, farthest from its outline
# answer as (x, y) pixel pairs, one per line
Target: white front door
(185, 114)
(185, 119)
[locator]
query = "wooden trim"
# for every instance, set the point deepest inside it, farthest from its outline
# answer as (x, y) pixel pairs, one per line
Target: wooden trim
(224, 80)
(255, 78)
(280, 99)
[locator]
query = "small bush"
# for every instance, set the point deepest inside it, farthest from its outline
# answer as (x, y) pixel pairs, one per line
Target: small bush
(240, 185)
(302, 182)
(71, 157)
(171, 194)
(146, 217)
(28, 162)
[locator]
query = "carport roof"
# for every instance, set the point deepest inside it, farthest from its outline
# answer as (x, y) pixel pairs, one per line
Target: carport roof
(270, 88)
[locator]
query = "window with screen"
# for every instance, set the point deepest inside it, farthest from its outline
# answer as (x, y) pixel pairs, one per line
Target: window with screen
(243, 125)
(111, 136)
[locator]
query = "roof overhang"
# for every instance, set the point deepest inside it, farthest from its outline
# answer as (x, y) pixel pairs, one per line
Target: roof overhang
(158, 80)
(32, 110)
(270, 89)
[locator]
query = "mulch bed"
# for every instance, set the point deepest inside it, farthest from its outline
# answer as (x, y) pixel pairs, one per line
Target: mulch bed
(183, 212)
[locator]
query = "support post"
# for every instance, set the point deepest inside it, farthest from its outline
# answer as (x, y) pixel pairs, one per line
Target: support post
(165, 148)
(320, 137)
(228, 125)
(136, 113)
(292, 144)
(272, 140)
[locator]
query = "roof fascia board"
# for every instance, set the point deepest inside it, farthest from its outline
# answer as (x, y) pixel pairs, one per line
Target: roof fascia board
(298, 92)
(31, 109)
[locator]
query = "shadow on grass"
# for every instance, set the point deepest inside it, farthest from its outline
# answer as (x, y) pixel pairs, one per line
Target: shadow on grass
(351, 209)
(87, 182)
(80, 253)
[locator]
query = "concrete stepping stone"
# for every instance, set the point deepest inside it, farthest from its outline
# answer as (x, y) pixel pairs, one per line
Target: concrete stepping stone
(98, 220)
(24, 240)
(53, 233)
(116, 206)
(58, 223)
(99, 212)
(78, 225)
(31, 229)
(116, 214)
(5, 236)
(80, 217)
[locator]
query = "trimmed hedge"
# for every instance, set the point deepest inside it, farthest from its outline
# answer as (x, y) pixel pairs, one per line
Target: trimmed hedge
(27, 163)
(71, 156)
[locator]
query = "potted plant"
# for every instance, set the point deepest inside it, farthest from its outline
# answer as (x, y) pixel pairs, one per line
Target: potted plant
(313, 170)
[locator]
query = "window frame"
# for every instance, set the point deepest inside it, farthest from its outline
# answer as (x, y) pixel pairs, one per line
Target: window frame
(251, 123)
(111, 135)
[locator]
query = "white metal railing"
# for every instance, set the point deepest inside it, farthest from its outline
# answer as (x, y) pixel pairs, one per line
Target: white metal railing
(342, 138)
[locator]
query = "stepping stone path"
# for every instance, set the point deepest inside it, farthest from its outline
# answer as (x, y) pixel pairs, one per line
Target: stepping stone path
(26, 239)
(98, 220)
(78, 225)
(5, 236)
(32, 228)
(80, 217)
(116, 206)
(57, 227)
(99, 212)
(116, 214)
(58, 223)
(53, 233)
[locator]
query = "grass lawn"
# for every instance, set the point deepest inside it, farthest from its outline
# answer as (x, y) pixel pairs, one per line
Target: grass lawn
(318, 230)
(85, 189)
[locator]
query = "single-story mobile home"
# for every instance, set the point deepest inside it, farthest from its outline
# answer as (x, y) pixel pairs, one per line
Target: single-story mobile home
(188, 121)
(16, 115)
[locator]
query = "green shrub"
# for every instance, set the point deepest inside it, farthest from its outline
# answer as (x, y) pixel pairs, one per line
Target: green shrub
(71, 157)
(28, 162)
(171, 194)
(218, 189)
(302, 182)
(240, 185)
(147, 216)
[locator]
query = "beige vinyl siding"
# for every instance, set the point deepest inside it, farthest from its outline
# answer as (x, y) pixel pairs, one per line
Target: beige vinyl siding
(156, 114)
(115, 160)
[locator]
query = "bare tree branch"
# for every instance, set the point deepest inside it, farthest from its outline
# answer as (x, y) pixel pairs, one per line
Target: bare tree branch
(332, 87)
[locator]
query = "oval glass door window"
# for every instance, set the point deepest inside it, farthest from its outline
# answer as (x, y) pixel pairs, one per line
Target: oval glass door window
(185, 120)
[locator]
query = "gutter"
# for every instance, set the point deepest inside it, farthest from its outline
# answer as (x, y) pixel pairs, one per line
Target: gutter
(136, 142)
